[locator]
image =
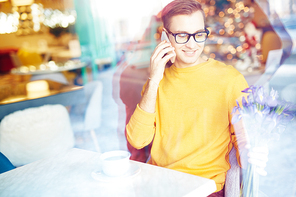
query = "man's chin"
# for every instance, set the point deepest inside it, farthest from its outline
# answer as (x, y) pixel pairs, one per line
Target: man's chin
(190, 61)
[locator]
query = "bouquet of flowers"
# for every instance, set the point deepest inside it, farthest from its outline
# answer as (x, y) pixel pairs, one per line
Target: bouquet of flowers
(264, 118)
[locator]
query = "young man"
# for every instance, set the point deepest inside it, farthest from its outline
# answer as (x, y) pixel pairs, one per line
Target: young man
(186, 109)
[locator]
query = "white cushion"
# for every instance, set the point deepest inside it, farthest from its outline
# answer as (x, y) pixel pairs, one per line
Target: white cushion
(35, 133)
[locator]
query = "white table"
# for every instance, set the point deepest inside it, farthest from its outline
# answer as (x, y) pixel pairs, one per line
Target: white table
(69, 174)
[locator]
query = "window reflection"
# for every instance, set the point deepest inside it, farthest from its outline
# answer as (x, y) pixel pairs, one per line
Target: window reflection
(115, 44)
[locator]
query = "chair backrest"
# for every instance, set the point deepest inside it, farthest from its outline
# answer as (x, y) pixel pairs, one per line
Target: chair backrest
(93, 111)
(232, 183)
(35, 133)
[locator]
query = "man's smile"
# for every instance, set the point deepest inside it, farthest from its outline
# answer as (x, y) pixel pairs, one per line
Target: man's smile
(189, 52)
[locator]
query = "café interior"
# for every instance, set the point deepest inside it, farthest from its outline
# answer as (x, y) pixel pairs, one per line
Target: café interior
(72, 71)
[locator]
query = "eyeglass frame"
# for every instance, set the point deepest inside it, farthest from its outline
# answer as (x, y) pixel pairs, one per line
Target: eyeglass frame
(205, 31)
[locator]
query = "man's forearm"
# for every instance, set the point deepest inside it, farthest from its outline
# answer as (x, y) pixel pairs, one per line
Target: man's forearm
(161, 55)
(148, 100)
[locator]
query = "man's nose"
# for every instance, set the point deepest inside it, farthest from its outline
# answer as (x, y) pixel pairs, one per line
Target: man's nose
(191, 42)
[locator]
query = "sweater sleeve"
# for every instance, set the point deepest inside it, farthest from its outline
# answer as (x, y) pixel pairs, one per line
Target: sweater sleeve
(141, 127)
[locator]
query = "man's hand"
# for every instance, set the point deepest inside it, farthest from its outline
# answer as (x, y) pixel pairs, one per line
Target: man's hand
(161, 55)
(259, 156)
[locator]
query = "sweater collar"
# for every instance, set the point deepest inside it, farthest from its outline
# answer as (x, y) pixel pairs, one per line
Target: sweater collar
(191, 68)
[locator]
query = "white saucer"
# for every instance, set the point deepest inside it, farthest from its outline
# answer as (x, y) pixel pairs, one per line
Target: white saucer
(134, 169)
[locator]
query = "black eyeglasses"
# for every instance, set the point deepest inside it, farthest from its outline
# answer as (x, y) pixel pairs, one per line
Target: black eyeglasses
(182, 38)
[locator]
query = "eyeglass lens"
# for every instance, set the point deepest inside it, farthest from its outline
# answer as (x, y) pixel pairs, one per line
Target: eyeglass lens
(183, 37)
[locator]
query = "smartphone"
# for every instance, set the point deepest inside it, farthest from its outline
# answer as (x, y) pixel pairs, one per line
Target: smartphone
(165, 37)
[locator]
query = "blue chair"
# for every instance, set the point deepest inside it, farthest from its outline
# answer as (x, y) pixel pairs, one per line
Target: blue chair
(5, 164)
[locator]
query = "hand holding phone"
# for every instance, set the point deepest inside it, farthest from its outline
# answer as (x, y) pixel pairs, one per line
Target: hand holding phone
(165, 37)
(162, 53)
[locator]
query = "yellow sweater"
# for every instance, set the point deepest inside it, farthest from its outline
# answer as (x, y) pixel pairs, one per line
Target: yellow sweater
(191, 128)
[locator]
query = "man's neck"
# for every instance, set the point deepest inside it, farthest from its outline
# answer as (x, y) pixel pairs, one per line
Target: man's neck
(179, 64)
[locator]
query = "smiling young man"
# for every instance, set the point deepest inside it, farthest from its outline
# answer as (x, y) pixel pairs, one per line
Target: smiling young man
(186, 109)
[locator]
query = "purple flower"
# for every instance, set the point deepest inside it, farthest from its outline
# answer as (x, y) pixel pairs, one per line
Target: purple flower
(236, 118)
(244, 102)
(260, 96)
(248, 90)
(234, 109)
(272, 99)
(250, 98)
(264, 115)
(261, 114)
(266, 110)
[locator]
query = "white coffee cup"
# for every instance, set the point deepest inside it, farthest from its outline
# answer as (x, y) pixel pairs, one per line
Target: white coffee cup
(115, 163)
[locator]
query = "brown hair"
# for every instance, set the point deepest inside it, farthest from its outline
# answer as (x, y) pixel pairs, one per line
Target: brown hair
(179, 7)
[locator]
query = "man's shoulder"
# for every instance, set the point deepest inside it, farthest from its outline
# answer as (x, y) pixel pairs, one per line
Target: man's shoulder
(220, 64)
(222, 67)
